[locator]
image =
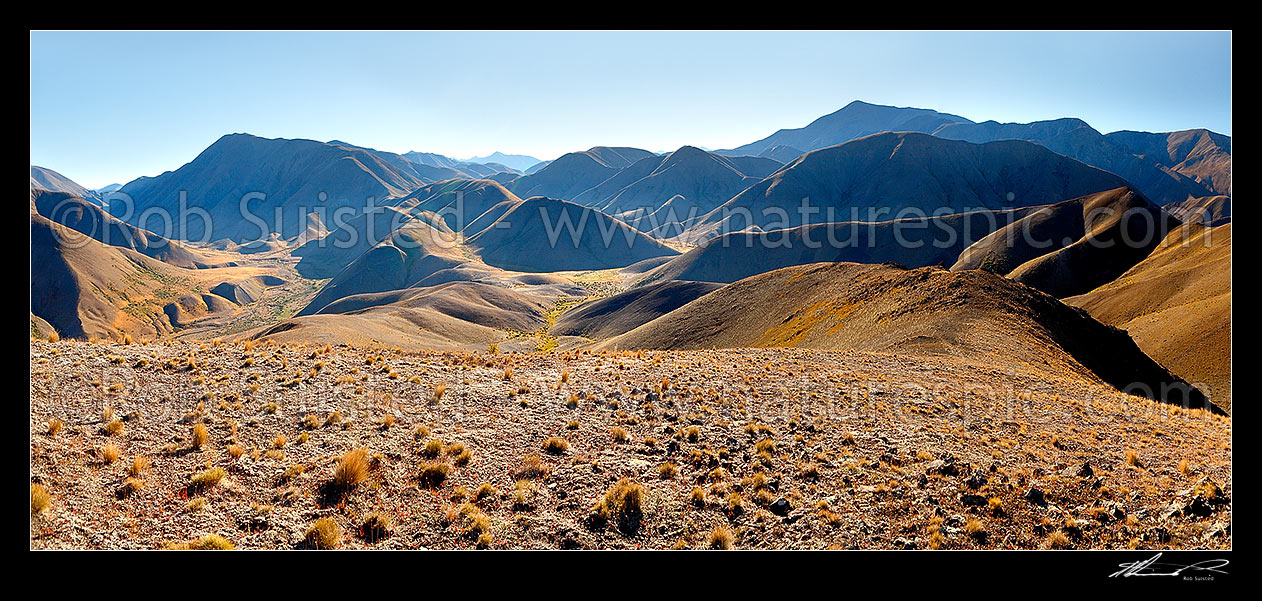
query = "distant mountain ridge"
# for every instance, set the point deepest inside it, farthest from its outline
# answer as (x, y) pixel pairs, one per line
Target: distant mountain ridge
(296, 176)
(891, 172)
(520, 162)
(46, 179)
(1166, 167)
(855, 120)
(1128, 155)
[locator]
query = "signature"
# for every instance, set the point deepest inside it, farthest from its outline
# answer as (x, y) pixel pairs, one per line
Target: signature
(1151, 567)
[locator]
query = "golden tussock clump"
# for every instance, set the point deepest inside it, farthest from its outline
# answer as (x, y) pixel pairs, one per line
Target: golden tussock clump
(40, 499)
(114, 427)
(619, 434)
(432, 473)
(532, 467)
(1058, 540)
(697, 496)
(54, 426)
(138, 466)
(352, 469)
(110, 453)
(209, 542)
(200, 435)
(208, 478)
(721, 538)
(667, 470)
(323, 534)
(556, 445)
(484, 492)
(376, 526)
(524, 495)
(130, 485)
(622, 504)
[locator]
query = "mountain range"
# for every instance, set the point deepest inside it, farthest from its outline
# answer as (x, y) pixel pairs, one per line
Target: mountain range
(683, 249)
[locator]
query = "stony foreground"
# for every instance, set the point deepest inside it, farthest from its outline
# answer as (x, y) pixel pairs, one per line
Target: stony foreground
(256, 446)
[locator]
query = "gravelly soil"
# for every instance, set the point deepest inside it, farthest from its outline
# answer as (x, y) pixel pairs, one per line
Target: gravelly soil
(866, 451)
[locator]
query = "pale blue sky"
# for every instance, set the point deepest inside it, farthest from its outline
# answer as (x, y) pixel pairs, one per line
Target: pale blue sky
(109, 107)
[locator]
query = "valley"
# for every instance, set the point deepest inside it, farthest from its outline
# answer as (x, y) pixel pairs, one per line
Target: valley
(979, 336)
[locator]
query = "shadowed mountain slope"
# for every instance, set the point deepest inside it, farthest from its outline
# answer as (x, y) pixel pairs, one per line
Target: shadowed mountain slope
(1075, 139)
(1212, 211)
(544, 234)
(880, 176)
(47, 179)
(295, 176)
(571, 174)
(692, 181)
(88, 289)
(612, 315)
(88, 218)
(1200, 154)
(1176, 304)
(1074, 246)
(908, 242)
(412, 252)
(974, 315)
(452, 205)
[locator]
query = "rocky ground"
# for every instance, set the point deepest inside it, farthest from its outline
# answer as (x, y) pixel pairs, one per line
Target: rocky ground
(772, 449)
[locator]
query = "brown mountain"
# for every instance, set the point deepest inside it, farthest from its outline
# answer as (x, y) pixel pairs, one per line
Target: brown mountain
(916, 242)
(1200, 154)
(1176, 304)
(973, 315)
(408, 255)
(612, 315)
(88, 218)
(47, 179)
(462, 315)
(1208, 210)
(84, 288)
(1073, 246)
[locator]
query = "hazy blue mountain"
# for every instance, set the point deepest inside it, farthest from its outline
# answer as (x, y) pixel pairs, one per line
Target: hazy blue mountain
(897, 171)
(782, 153)
(538, 166)
(572, 173)
(47, 179)
(293, 174)
(855, 120)
(520, 162)
(1074, 138)
(1200, 154)
(657, 193)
